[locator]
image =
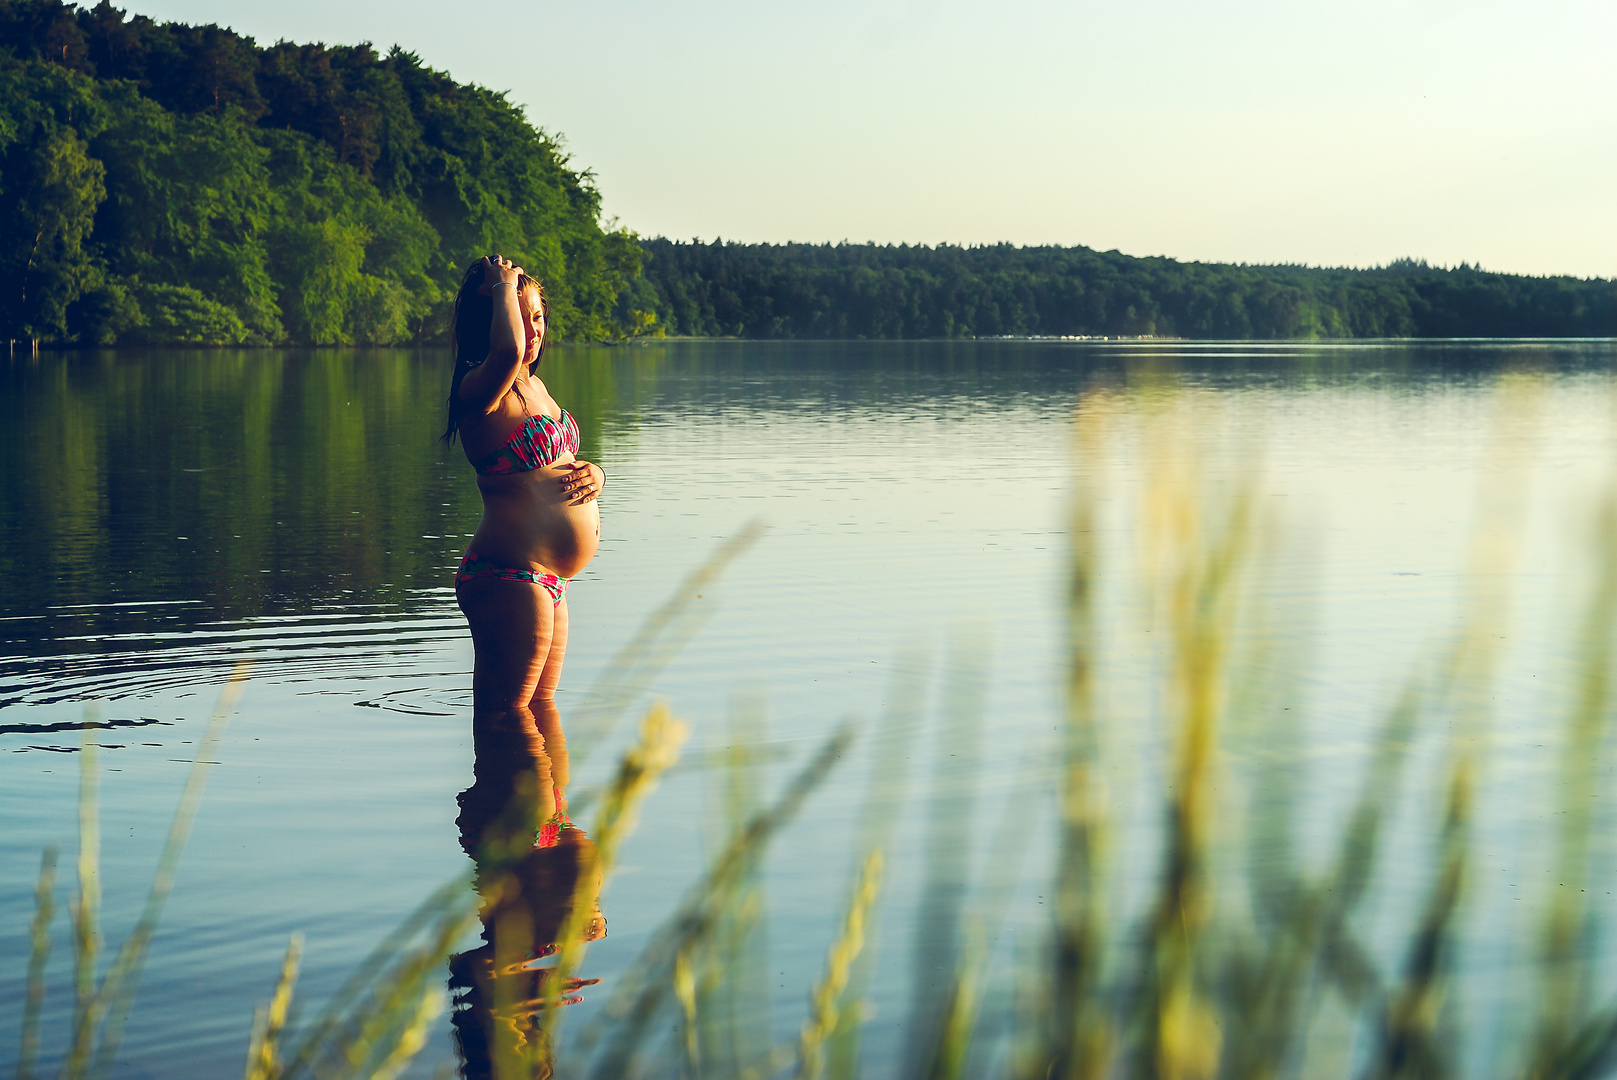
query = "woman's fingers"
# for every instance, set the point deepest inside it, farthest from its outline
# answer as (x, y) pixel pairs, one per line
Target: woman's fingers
(579, 475)
(496, 268)
(579, 484)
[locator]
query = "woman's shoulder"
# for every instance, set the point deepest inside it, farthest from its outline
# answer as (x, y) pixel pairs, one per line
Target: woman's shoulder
(507, 414)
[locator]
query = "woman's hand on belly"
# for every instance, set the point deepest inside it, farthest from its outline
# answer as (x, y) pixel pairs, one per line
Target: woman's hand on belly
(528, 520)
(581, 482)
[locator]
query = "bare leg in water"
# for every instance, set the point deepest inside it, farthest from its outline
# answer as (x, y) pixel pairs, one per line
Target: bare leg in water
(520, 640)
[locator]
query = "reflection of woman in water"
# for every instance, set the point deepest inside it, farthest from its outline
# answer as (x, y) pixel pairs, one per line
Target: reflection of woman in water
(530, 862)
(540, 522)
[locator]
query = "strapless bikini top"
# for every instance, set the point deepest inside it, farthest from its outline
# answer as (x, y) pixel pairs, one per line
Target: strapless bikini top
(537, 442)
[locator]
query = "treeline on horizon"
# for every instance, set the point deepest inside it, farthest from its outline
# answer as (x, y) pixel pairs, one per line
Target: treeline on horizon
(170, 184)
(164, 184)
(899, 291)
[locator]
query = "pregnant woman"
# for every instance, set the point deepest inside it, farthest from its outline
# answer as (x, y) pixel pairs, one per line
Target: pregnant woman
(540, 524)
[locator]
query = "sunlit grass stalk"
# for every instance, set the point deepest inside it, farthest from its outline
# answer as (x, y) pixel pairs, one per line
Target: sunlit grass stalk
(88, 1004)
(884, 794)
(1183, 1027)
(1407, 1041)
(659, 638)
(685, 992)
(1269, 995)
(724, 1005)
(644, 986)
(964, 996)
(956, 1047)
(39, 948)
(1496, 544)
(642, 766)
(392, 1020)
(935, 945)
(263, 1052)
(823, 1009)
(1562, 965)
(1348, 879)
(1408, 1045)
(450, 903)
(1076, 1037)
(429, 1005)
(727, 1013)
(118, 990)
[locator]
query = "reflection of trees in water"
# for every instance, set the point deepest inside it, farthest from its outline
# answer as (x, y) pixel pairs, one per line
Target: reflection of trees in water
(529, 860)
(324, 466)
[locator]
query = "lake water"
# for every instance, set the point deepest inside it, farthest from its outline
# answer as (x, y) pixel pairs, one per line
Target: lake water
(167, 514)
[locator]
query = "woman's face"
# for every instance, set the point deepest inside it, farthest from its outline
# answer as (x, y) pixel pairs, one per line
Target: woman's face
(533, 324)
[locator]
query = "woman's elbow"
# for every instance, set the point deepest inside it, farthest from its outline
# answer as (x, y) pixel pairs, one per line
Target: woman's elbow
(503, 356)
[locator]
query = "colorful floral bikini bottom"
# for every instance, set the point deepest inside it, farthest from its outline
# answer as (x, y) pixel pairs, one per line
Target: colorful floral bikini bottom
(472, 568)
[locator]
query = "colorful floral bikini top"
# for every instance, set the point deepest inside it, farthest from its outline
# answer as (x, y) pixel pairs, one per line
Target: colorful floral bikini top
(538, 442)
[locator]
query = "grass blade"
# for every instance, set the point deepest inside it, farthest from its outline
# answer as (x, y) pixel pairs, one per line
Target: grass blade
(889, 782)
(1074, 1043)
(660, 637)
(643, 988)
(326, 1030)
(377, 1003)
(1561, 960)
(263, 1053)
(964, 995)
(118, 990)
(86, 933)
(1407, 1043)
(660, 739)
(935, 952)
(823, 1018)
(39, 948)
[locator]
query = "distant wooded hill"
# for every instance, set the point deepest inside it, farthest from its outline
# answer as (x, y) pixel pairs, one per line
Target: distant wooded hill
(163, 183)
(871, 291)
(166, 184)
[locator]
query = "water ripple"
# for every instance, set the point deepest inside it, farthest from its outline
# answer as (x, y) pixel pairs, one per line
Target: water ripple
(354, 643)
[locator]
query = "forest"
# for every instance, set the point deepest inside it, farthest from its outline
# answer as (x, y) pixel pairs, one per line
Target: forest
(171, 184)
(182, 185)
(871, 291)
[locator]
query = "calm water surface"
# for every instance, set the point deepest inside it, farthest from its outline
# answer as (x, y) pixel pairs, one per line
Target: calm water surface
(167, 514)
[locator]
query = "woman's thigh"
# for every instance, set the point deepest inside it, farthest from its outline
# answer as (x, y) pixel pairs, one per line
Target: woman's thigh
(550, 675)
(513, 626)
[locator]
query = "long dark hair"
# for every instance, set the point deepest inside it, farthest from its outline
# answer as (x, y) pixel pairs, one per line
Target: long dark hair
(468, 335)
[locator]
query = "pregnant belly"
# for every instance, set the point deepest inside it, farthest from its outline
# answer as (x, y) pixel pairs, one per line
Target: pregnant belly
(529, 524)
(569, 536)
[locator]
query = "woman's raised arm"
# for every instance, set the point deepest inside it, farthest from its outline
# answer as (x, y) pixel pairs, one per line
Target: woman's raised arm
(486, 385)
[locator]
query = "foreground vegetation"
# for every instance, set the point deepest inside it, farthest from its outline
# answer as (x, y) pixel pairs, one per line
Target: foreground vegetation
(1247, 954)
(898, 291)
(164, 183)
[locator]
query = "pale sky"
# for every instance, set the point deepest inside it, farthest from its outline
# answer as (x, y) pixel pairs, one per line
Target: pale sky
(1328, 133)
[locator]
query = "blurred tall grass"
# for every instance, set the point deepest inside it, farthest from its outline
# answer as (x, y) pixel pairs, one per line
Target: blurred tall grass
(1249, 952)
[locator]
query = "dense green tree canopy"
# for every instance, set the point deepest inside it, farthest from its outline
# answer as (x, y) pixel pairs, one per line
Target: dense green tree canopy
(163, 183)
(870, 291)
(171, 183)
